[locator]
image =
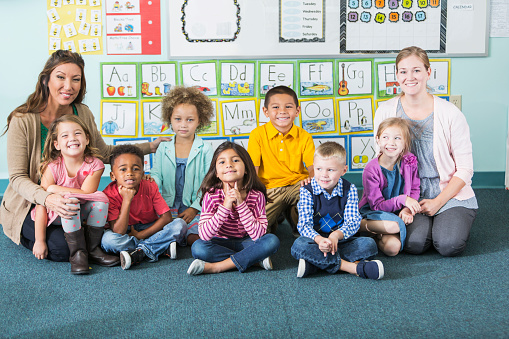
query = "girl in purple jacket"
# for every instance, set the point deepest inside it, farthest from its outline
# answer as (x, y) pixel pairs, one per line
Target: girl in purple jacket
(391, 187)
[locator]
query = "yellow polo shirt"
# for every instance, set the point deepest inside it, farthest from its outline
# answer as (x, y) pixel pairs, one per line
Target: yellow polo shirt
(281, 157)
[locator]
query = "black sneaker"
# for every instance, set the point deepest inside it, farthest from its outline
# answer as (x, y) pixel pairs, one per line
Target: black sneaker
(373, 269)
(127, 259)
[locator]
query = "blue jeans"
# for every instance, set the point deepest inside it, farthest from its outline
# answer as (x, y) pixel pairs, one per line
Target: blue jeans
(153, 246)
(352, 249)
(244, 252)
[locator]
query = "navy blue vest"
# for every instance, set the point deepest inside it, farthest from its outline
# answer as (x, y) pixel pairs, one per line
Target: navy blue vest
(328, 214)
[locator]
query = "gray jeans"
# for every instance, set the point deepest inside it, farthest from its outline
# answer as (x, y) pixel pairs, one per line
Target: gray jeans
(448, 232)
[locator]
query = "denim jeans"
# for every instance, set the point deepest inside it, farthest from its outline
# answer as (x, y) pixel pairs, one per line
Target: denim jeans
(352, 249)
(244, 252)
(153, 246)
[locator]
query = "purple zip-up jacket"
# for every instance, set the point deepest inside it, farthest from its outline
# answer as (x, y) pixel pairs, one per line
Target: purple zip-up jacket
(374, 181)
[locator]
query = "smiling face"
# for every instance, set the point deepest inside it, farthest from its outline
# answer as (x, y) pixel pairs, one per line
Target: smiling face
(230, 168)
(282, 111)
(71, 139)
(64, 84)
(412, 75)
(127, 170)
(184, 120)
(328, 171)
(391, 142)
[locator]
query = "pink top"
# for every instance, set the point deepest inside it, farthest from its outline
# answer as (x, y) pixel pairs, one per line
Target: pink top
(247, 218)
(62, 179)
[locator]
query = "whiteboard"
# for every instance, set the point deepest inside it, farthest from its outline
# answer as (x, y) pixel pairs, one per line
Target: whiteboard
(258, 31)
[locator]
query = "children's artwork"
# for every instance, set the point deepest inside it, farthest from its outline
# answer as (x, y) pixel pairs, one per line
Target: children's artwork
(318, 140)
(237, 78)
(439, 80)
(316, 78)
(318, 115)
(275, 73)
(70, 26)
(212, 128)
(242, 141)
(387, 84)
(262, 119)
(157, 78)
(119, 118)
(354, 77)
(355, 115)
(387, 26)
(119, 80)
(302, 21)
(215, 142)
(362, 151)
(147, 160)
(152, 121)
(238, 116)
(133, 27)
(201, 75)
(210, 21)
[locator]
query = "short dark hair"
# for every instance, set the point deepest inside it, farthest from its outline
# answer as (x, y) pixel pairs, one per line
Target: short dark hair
(125, 149)
(280, 90)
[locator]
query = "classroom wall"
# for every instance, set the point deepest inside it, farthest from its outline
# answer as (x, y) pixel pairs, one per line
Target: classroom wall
(482, 82)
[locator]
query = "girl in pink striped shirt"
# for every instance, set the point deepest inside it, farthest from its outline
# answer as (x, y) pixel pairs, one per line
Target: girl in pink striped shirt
(233, 223)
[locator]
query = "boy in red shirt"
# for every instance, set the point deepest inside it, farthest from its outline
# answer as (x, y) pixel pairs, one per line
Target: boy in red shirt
(140, 220)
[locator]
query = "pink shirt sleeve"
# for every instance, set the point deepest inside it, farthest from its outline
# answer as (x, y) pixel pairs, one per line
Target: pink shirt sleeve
(254, 219)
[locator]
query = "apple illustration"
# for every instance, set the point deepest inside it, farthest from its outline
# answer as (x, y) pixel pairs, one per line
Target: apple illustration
(121, 91)
(110, 89)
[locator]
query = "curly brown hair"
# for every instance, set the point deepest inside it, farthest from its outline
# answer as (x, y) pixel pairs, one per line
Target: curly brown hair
(187, 95)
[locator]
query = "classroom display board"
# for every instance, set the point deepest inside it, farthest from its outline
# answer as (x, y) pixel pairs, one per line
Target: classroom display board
(289, 28)
(338, 97)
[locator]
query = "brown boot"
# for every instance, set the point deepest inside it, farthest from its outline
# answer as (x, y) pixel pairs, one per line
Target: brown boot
(96, 255)
(77, 246)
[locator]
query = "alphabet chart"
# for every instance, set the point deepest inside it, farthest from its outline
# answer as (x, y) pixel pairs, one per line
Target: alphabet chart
(119, 118)
(316, 78)
(362, 151)
(157, 78)
(355, 115)
(201, 75)
(387, 26)
(239, 116)
(119, 80)
(152, 119)
(317, 115)
(275, 73)
(237, 79)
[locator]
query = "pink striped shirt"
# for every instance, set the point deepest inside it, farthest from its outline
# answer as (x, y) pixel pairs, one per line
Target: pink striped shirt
(247, 218)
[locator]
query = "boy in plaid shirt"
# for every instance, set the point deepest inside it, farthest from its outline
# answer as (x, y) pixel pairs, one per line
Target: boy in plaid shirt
(328, 218)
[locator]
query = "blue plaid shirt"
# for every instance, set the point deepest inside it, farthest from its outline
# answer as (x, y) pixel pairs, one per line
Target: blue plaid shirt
(351, 215)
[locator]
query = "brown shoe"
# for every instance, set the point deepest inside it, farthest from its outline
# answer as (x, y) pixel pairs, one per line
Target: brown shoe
(78, 256)
(96, 255)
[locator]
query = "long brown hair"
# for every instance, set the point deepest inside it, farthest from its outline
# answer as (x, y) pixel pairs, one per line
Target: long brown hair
(51, 153)
(251, 181)
(405, 132)
(38, 100)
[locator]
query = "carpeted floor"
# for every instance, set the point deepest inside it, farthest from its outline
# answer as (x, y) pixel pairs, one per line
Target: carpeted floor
(424, 296)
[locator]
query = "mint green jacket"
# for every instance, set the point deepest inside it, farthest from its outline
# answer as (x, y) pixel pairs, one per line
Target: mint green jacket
(164, 169)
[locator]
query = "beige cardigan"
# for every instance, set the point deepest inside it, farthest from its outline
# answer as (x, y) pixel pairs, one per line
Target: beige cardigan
(23, 160)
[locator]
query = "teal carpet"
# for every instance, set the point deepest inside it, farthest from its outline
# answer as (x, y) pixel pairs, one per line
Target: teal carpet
(425, 296)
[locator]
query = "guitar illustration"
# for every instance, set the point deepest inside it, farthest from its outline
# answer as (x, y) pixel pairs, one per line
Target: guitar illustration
(343, 90)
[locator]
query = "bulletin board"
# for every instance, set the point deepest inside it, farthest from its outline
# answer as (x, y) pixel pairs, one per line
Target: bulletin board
(353, 28)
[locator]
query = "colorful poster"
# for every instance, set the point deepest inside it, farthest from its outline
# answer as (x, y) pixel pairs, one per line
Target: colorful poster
(317, 115)
(119, 118)
(152, 119)
(275, 73)
(74, 26)
(157, 78)
(316, 78)
(302, 21)
(387, 26)
(238, 116)
(387, 84)
(119, 80)
(362, 151)
(212, 128)
(237, 79)
(201, 75)
(355, 115)
(354, 77)
(133, 27)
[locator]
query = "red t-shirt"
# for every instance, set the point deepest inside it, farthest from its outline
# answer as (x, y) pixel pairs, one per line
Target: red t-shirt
(146, 207)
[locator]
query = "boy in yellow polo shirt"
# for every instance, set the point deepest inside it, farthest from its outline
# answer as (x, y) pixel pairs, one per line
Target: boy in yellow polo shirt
(281, 151)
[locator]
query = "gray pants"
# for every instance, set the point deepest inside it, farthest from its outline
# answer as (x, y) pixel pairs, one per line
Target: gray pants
(447, 231)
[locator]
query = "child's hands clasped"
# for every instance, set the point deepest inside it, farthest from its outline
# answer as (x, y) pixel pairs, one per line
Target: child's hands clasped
(232, 196)
(40, 249)
(413, 205)
(406, 215)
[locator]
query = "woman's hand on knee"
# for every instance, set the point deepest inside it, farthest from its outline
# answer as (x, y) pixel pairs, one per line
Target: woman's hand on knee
(57, 203)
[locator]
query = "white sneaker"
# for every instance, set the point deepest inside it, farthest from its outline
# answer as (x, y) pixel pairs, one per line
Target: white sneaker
(196, 267)
(172, 250)
(266, 264)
